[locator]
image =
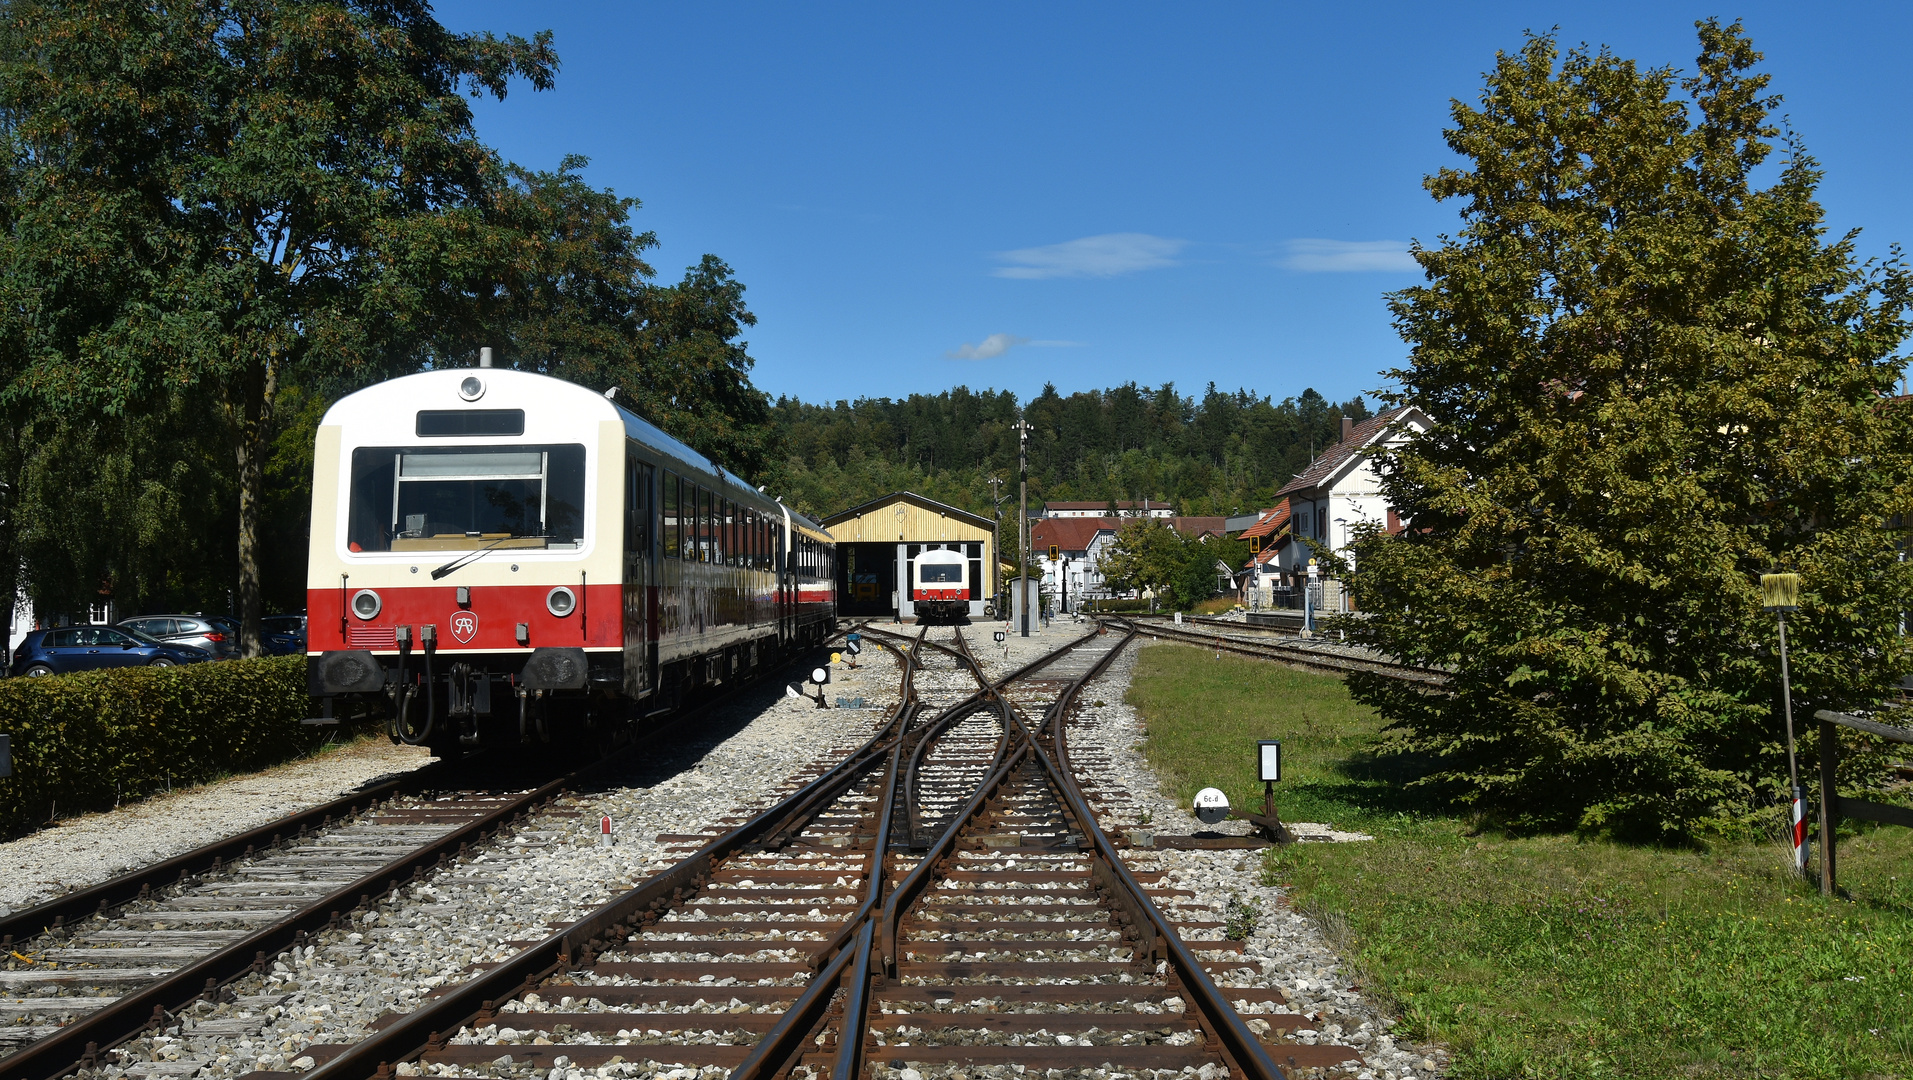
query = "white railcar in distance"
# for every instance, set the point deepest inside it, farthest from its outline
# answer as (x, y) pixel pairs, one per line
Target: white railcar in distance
(939, 585)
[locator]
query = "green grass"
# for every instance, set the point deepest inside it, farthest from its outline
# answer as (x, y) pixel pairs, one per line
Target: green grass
(1552, 956)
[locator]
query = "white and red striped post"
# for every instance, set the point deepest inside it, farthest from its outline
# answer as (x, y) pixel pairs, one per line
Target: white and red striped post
(604, 829)
(1780, 593)
(1799, 832)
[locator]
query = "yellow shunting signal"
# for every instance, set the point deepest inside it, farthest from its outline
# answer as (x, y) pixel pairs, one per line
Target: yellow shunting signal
(1052, 553)
(1255, 545)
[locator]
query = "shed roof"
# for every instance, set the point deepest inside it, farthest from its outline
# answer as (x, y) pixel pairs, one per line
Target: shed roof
(914, 499)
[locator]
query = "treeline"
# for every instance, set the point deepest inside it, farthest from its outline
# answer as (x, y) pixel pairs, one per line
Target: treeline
(1222, 453)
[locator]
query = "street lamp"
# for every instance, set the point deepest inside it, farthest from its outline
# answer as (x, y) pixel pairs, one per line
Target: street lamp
(1780, 593)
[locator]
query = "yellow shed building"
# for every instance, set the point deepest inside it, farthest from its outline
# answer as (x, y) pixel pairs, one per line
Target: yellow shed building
(878, 543)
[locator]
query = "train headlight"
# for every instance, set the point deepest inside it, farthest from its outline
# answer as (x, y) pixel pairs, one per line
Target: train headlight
(472, 388)
(366, 603)
(560, 601)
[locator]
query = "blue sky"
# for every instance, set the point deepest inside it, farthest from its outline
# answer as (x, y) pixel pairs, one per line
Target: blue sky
(997, 195)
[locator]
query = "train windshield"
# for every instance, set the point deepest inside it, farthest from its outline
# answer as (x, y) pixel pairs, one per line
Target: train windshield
(939, 573)
(409, 498)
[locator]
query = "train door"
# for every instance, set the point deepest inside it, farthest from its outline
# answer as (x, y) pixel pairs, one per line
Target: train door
(640, 598)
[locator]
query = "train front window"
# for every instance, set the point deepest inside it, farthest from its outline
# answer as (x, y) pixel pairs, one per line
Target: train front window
(941, 573)
(461, 498)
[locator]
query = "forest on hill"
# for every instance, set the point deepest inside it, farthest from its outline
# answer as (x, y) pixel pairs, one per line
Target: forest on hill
(1221, 453)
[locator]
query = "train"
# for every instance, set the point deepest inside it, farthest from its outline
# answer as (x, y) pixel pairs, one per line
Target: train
(497, 555)
(940, 587)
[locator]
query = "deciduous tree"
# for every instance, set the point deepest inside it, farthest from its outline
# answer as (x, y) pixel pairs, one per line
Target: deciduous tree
(1652, 379)
(247, 177)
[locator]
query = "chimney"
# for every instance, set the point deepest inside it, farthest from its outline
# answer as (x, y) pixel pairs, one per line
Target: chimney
(1348, 427)
(485, 360)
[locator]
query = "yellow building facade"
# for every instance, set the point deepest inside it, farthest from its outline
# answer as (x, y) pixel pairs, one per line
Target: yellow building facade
(878, 544)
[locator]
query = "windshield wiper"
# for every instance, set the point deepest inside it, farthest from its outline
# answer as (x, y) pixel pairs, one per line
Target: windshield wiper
(470, 556)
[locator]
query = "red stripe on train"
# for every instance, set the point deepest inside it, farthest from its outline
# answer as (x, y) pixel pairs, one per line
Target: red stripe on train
(490, 623)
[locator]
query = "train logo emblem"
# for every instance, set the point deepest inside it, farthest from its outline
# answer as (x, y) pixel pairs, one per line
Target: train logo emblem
(465, 627)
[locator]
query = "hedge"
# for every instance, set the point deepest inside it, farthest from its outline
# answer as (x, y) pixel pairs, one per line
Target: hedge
(87, 740)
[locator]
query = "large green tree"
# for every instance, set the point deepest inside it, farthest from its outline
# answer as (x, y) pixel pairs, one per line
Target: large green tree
(245, 184)
(1652, 379)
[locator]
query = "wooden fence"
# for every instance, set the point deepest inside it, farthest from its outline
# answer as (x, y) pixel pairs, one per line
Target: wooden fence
(1832, 806)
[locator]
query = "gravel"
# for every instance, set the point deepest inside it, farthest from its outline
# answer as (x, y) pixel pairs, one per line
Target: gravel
(550, 869)
(87, 850)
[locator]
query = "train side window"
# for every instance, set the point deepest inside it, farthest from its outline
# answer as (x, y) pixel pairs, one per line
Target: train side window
(704, 524)
(637, 506)
(673, 532)
(695, 539)
(730, 533)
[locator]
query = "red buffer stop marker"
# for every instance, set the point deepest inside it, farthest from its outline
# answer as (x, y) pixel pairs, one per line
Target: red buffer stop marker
(604, 830)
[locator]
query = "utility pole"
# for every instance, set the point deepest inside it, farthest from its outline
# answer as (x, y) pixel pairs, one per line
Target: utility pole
(1023, 522)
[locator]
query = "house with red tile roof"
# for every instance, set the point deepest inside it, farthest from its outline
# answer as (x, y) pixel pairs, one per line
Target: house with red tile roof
(1341, 491)
(1266, 538)
(1081, 542)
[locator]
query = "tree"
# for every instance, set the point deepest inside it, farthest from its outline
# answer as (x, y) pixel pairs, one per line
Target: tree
(252, 177)
(1151, 554)
(557, 282)
(1651, 381)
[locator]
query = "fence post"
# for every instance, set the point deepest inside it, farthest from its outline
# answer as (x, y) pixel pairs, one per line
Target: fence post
(1829, 805)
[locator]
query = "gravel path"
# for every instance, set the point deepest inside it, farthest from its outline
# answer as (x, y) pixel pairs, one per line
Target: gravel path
(87, 850)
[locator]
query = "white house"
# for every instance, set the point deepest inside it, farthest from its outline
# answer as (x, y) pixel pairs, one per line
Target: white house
(1341, 490)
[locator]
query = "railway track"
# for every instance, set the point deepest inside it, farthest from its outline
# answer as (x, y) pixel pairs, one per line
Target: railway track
(942, 898)
(130, 956)
(1318, 657)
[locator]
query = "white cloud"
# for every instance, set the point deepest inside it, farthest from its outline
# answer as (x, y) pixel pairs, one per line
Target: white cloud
(1092, 256)
(989, 348)
(1347, 256)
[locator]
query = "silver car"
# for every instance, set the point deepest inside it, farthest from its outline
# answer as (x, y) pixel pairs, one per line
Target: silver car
(216, 634)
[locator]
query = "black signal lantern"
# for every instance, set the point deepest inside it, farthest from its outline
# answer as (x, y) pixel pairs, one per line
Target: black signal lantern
(1052, 553)
(1255, 545)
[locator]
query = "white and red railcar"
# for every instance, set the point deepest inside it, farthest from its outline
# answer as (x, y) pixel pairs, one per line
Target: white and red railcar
(489, 543)
(939, 585)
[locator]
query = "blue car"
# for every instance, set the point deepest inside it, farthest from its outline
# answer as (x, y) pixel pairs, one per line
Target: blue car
(283, 635)
(84, 648)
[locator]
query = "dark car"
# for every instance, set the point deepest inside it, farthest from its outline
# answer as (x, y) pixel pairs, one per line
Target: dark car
(283, 635)
(84, 648)
(216, 634)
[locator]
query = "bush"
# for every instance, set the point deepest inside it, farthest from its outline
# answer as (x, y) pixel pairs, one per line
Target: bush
(85, 740)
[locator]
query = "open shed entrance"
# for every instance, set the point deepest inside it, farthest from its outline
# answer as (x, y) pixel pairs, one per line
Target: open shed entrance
(868, 579)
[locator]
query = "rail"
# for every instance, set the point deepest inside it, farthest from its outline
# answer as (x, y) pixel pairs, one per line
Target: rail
(1289, 653)
(419, 1030)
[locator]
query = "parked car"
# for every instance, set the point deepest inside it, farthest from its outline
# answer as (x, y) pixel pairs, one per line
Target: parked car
(284, 635)
(216, 634)
(82, 648)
